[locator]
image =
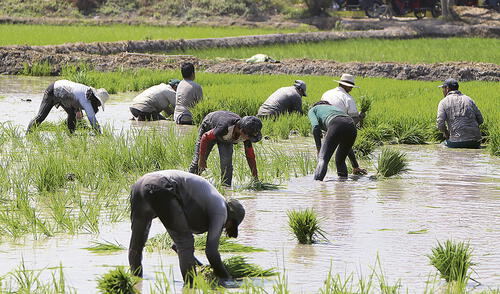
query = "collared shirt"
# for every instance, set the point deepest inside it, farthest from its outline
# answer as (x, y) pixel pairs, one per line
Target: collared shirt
(285, 99)
(156, 99)
(339, 98)
(461, 115)
(73, 95)
(188, 94)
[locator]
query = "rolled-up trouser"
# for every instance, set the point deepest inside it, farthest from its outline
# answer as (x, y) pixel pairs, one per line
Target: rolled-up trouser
(146, 116)
(225, 156)
(464, 144)
(166, 206)
(184, 119)
(341, 134)
(48, 101)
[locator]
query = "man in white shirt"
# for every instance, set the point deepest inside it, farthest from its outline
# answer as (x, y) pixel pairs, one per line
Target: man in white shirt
(188, 94)
(153, 101)
(340, 97)
(72, 97)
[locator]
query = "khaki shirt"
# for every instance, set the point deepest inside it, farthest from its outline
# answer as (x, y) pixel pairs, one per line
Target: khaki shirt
(156, 99)
(462, 117)
(188, 95)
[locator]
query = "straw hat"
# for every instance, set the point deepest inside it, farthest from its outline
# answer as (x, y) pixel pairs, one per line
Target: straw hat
(347, 80)
(102, 95)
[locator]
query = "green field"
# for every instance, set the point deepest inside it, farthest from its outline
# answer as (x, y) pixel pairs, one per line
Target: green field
(53, 34)
(424, 50)
(401, 112)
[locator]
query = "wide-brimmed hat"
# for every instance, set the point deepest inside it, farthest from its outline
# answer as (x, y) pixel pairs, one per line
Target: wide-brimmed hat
(347, 80)
(251, 126)
(102, 95)
(302, 85)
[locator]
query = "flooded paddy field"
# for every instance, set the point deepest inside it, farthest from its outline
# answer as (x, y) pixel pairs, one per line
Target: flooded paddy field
(447, 194)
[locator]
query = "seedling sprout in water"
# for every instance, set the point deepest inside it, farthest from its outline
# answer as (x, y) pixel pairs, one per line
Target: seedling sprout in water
(305, 225)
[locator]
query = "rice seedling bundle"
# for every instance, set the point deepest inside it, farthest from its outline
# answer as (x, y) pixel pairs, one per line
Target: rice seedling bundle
(452, 260)
(305, 225)
(391, 162)
(117, 281)
(260, 186)
(365, 103)
(238, 267)
(105, 247)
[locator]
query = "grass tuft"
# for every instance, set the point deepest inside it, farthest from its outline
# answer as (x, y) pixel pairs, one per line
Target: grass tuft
(238, 267)
(105, 247)
(391, 162)
(452, 260)
(305, 225)
(117, 281)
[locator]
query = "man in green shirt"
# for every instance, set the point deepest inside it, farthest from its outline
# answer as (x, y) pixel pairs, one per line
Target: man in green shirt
(340, 134)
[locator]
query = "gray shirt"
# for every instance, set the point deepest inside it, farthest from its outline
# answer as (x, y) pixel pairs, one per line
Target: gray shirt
(462, 117)
(285, 99)
(156, 99)
(203, 206)
(188, 94)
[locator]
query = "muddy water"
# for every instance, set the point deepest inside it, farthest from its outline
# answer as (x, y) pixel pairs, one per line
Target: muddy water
(447, 194)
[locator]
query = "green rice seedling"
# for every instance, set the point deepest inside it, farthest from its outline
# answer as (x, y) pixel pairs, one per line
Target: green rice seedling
(281, 284)
(49, 171)
(363, 146)
(452, 260)
(239, 267)
(365, 103)
(260, 186)
(37, 69)
(305, 225)
(335, 284)
(410, 133)
(105, 247)
(391, 162)
(116, 281)
(494, 141)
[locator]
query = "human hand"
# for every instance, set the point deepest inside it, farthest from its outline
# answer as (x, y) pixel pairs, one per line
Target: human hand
(359, 171)
(362, 115)
(202, 165)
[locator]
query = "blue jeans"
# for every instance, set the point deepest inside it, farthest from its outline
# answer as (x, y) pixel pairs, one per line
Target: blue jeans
(464, 144)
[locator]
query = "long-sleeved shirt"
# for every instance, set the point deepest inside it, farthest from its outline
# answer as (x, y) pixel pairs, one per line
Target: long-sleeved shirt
(156, 99)
(461, 116)
(342, 100)
(73, 95)
(188, 94)
(204, 208)
(219, 126)
(285, 99)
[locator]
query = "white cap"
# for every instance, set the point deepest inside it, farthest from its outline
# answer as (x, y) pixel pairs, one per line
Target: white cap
(102, 95)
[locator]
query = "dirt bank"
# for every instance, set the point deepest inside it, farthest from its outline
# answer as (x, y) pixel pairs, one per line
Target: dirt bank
(11, 62)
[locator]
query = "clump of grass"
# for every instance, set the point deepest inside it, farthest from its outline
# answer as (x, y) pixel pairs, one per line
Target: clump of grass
(364, 145)
(410, 133)
(260, 186)
(37, 69)
(391, 162)
(365, 103)
(106, 246)
(238, 267)
(494, 144)
(226, 244)
(117, 281)
(452, 260)
(305, 225)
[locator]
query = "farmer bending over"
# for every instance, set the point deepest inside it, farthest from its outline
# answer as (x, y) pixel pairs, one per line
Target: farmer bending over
(285, 99)
(149, 104)
(340, 134)
(187, 95)
(340, 98)
(461, 115)
(72, 97)
(185, 204)
(226, 128)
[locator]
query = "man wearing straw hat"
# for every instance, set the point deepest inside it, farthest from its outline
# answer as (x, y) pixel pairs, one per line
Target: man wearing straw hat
(72, 97)
(149, 104)
(185, 204)
(340, 97)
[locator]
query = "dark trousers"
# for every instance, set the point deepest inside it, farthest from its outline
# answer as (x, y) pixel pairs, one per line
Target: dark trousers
(225, 155)
(340, 135)
(464, 144)
(49, 101)
(149, 116)
(150, 201)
